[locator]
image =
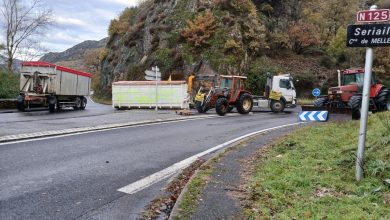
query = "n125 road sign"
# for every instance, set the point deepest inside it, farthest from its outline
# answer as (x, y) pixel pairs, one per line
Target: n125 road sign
(369, 35)
(379, 15)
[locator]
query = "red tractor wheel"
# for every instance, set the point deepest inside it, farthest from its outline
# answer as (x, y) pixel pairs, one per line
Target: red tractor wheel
(321, 101)
(244, 103)
(221, 106)
(355, 103)
(382, 101)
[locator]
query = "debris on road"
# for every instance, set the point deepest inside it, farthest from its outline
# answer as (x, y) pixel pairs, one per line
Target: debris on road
(165, 203)
(184, 112)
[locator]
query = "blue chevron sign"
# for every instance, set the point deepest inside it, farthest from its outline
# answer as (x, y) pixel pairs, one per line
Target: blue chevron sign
(313, 116)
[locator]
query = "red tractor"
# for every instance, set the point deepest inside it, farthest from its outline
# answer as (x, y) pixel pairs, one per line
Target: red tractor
(229, 94)
(348, 94)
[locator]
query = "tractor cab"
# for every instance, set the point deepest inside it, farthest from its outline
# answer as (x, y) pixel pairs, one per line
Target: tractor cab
(356, 77)
(233, 85)
(350, 82)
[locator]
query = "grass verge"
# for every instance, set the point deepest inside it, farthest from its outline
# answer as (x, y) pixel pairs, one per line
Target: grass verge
(189, 202)
(305, 101)
(311, 174)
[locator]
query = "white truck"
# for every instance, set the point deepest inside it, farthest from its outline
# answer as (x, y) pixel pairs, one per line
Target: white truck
(279, 94)
(44, 84)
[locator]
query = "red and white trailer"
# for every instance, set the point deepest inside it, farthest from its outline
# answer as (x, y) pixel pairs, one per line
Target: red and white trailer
(48, 85)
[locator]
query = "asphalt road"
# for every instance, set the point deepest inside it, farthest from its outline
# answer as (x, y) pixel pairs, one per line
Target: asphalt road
(77, 176)
(94, 114)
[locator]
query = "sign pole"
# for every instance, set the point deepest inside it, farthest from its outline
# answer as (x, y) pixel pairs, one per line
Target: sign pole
(156, 70)
(364, 109)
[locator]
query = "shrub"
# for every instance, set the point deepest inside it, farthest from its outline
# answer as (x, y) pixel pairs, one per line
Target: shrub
(122, 24)
(9, 85)
(257, 74)
(200, 30)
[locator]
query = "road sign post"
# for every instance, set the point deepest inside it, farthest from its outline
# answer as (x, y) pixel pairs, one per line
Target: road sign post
(370, 38)
(154, 74)
(158, 74)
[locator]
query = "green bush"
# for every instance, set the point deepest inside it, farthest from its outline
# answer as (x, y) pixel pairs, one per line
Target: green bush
(9, 85)
(257, 74)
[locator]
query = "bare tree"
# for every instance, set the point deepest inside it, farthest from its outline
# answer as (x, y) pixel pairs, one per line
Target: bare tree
(23, 20)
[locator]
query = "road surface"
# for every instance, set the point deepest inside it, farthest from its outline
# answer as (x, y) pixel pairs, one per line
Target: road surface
(78, 176)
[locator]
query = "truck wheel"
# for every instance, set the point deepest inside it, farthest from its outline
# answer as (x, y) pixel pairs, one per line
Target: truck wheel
(355, 103)
(83, 103)
(382, 101)
(52, 104)
(321, 101)
(221, 106)
(77, 103)
(277, 106)
(20, 104)
(244, 103)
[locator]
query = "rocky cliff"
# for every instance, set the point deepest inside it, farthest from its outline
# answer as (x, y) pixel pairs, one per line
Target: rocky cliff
(183, 37)
(245, 37)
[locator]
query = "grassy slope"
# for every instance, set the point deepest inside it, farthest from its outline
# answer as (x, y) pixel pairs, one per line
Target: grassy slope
(310, 174)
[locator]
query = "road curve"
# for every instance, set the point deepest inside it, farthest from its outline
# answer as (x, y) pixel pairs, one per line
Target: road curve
(77, 177)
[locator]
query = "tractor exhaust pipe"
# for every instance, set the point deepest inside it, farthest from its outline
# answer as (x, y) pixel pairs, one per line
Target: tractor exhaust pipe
(339, 77)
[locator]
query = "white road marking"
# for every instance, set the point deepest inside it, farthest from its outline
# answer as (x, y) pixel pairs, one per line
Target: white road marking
(169, 171)
(85, 131)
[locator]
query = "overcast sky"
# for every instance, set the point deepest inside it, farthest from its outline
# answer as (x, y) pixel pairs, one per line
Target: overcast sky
(80, 20)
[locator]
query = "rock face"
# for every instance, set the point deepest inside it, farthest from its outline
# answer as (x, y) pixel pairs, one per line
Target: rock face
(181, 37)
(74, 56)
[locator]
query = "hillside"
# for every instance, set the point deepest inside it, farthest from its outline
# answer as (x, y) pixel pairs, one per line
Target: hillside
(304, 38)
(74, 57)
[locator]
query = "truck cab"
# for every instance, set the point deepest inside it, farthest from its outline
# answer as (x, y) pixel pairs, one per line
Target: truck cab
(279, 93)
(284, 84)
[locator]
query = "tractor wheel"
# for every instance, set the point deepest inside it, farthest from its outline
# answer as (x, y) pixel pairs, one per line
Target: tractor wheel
(355, 103)
(321, 101)
(244, 103)
(198, 106)
(221, 106)
(83, 103)
(277, 106)
(230, 108)
(77, 102)
(382, 101)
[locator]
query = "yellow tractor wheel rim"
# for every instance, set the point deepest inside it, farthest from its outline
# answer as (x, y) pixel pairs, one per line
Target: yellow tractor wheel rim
(246, 104)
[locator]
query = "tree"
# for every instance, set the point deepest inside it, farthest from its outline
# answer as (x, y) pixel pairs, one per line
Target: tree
(200, 30)
(23, 20)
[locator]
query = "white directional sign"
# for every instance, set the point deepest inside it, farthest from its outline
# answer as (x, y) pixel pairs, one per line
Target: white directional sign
(152, 73)
(313, 116)
(152, 78)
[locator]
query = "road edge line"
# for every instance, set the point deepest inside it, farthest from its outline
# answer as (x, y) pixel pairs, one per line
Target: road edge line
(169, 171)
